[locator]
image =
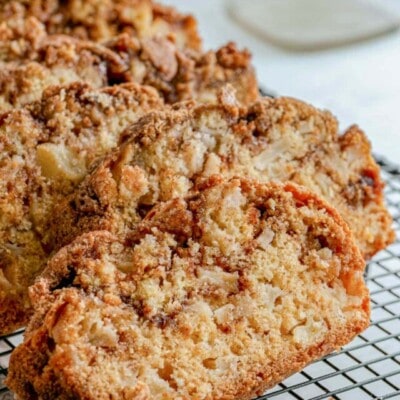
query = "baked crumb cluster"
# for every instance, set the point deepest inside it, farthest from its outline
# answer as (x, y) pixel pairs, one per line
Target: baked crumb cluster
(165, 232)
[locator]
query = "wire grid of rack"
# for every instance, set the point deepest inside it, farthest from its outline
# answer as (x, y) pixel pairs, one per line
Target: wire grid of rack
(367, 368)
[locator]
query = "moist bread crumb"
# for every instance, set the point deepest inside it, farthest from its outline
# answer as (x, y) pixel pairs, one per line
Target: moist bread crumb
(218, 296)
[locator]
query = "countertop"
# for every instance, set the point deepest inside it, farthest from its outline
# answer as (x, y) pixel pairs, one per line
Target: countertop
(359, 83)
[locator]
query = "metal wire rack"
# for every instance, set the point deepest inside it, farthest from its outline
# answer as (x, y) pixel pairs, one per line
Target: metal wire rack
(367, 368)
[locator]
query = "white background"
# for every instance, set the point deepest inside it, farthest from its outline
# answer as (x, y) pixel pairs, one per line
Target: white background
(359, 83)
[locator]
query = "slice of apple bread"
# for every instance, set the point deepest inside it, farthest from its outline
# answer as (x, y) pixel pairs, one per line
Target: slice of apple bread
(45, 151)
(31, 61)
(218, 296)
(100, 20)
(168, 153)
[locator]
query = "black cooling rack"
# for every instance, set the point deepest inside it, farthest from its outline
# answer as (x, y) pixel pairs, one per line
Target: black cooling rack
(367, 368)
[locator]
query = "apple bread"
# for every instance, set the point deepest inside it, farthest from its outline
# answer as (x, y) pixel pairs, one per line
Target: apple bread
(168, 153)
(32, 61)
(45, 151)
(54, 142)
(100, 20)
(217, 296)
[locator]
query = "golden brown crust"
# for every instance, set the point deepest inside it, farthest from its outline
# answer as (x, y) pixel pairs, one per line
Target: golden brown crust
(168, 153)
(218, 296)
(102, 20)
(46, 150)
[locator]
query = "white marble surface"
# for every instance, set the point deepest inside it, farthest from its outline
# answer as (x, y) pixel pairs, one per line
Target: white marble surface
(359, 83)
